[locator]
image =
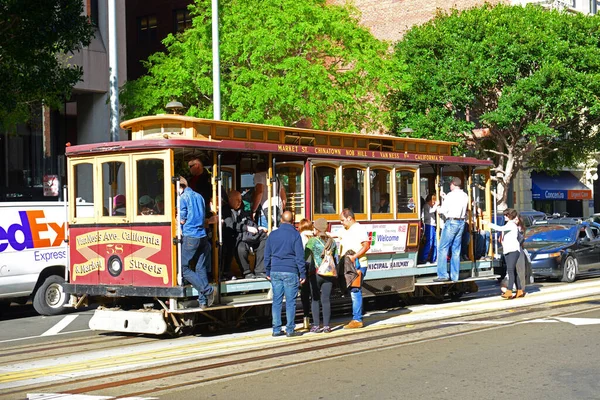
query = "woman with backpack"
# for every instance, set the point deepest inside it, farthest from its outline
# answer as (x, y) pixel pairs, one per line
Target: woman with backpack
(319, 247)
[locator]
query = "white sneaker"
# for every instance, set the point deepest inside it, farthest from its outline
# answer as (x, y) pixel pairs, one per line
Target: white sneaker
(210, 299)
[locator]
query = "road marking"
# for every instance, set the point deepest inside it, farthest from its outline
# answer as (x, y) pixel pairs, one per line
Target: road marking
(572, 321)
(61, 396)
(62, 324)
(477, 323)
(35, 337)
(579, 321)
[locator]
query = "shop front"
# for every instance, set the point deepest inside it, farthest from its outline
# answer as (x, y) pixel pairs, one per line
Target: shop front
(560, 193)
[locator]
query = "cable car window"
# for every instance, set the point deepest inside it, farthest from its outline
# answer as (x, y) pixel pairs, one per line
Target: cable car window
(354, 186)
(380, 191)
(479, 181)
(150, 187)
(405, 192)
(290, 176)
(114, 201)
(84, 190)
(324, 199)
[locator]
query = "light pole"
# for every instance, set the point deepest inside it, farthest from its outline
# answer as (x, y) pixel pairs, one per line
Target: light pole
(216, 63)
(113, 67)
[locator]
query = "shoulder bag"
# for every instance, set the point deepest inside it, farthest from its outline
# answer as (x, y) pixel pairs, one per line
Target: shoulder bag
(327, 267)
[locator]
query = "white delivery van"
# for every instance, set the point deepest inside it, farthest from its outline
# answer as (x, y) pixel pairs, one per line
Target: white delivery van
(33, 255)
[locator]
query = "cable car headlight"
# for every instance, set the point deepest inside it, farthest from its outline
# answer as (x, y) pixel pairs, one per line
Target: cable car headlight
(115, 265)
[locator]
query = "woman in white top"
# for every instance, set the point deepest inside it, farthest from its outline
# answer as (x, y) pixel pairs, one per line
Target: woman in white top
(429, 216)
(511, 248)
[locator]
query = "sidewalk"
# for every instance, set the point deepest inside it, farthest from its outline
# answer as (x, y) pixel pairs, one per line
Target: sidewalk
(539, 295)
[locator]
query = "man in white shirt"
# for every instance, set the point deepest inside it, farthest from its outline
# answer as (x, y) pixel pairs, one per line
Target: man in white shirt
(454, 209)
(356, 238)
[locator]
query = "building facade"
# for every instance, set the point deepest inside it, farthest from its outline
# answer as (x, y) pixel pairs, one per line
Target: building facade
(36, 149)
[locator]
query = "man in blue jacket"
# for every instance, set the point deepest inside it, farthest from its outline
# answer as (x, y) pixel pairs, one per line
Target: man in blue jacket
(284, 262)
(195, 245)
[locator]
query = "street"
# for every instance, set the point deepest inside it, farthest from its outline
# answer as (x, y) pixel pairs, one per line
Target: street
(480, 347)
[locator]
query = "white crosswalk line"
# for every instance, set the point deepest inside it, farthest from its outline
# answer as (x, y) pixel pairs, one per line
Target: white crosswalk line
(62, 324)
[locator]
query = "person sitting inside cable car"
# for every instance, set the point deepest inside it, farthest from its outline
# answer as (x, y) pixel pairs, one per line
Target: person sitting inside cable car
(119, 204)
(384, 203)
(241, 235)
(146, 205)
(159, 205)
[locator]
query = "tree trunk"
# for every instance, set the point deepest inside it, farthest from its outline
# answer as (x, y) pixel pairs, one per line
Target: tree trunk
(504, 178)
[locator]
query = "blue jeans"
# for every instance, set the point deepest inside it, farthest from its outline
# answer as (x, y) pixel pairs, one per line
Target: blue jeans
(284, 283)
(357, 297)
(430, 246)
(483, 244)
(451, 236)
(196, 248)
(466, 238)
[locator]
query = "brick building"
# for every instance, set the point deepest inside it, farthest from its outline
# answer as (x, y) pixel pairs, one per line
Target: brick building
(390, 19)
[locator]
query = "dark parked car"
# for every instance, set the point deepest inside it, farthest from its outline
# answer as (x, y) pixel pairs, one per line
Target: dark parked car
(530, 217)
(564, 248)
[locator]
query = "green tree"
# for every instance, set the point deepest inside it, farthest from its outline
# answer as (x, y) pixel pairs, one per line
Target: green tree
(517, 84)
(35, 38)
(282, 62)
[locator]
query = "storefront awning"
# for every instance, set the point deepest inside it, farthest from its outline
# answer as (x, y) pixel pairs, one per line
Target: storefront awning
(564, 186)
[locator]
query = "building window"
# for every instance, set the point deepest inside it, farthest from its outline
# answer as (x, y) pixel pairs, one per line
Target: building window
(182, 20)
(92, 11)
(147, 29)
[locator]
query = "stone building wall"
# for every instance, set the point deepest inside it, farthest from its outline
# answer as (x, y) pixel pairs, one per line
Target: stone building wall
(390, 19)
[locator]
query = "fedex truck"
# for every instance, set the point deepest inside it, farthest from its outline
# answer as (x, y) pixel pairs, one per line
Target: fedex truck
(33, 255)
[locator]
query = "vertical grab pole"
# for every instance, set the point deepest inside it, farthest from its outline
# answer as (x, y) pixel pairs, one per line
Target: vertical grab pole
(66, 211)
(495, 200)
(219, 177)
(271, 224)
(178, 221)
(438, 190)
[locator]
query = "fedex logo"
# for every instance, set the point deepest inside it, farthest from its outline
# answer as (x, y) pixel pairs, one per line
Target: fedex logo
(31, 231)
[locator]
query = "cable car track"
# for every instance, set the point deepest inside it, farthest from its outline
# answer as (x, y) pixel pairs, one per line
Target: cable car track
(295, 347)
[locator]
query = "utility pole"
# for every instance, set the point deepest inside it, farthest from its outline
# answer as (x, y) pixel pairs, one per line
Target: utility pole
(113, 67)
(216, 62)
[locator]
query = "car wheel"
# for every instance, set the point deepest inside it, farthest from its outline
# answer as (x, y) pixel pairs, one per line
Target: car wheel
(569, 269)
(50, 297)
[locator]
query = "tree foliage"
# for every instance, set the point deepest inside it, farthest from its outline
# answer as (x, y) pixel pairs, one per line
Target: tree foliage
(517, 84)
(35, 37)
(282, 62)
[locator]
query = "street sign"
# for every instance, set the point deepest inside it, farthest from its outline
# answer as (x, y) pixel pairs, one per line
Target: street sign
(51, 185)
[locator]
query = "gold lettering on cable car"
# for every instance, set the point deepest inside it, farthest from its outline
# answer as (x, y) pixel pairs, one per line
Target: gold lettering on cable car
(335, 152)
(287, 147)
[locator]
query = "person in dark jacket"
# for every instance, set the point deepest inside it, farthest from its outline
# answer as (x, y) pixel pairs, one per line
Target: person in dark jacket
(240, 235)
(284, 262)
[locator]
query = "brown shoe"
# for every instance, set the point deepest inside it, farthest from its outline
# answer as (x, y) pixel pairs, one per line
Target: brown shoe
(520, 293)
(507, 295)
(353, 325)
